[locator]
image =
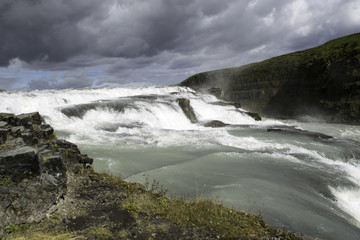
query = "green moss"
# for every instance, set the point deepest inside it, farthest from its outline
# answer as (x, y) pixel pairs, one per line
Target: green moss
(6, 181)
(51, 137)
(43, 236)
(203, 214)
(101, 233)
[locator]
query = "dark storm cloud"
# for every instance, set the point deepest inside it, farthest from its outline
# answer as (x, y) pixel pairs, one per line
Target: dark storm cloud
(44, 30)
(166, 39)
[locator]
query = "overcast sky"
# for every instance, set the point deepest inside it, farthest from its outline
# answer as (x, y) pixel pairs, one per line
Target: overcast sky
(54, 44)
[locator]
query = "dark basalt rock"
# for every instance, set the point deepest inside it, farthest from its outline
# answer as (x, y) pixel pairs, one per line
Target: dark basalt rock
(184, 104)
(46, 130)
(3, 124)
(19, 163)
(215, 124)
(295, 131)
(33, 168)
(28, 119)
(237, 105)
(3, 134)
(254, 116)
(8, 118)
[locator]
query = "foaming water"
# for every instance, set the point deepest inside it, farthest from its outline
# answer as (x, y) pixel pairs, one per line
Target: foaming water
(297, 179)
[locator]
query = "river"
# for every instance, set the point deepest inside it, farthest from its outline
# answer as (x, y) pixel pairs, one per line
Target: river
(300, 176)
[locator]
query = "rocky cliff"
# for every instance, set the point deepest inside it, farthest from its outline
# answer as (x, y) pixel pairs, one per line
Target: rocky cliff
(322, 82)
(33, 169)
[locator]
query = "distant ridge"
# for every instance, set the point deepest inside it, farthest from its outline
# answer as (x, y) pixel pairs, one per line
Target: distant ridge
(322, 82)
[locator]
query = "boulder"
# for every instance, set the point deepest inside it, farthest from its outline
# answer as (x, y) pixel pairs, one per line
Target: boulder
(19, 163)
(184, 104)
(237, 105)
(84, 159)
(254, 115)
(28, 119)
(215, 124)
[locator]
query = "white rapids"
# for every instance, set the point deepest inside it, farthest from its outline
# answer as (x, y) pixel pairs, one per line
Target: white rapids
(295, 178)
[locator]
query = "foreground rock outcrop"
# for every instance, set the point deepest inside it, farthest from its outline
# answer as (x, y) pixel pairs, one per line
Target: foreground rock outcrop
(323, 82)
(33, 166)
(48, 190)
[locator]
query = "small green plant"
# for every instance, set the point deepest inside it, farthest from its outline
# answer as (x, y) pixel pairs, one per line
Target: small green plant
(131, 207)
(11, 228)
(56, 147)
(155, 187)
(6, 181)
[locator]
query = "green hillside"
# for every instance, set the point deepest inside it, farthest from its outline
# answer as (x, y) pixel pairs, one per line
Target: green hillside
(322, 82)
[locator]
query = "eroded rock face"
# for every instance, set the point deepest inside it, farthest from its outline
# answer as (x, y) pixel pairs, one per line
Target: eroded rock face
(33, 167)
(184, 103)
(322, 82)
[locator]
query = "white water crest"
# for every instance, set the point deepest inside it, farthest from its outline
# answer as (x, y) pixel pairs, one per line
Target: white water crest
(298, 179)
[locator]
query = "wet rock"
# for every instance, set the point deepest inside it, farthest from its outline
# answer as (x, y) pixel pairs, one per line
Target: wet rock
(315, 135)
(19, 163)
(237, 105)
(215, 124)
(184, 104)
(254, 116)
